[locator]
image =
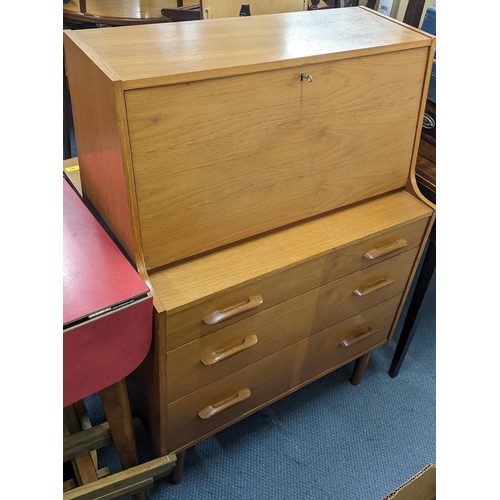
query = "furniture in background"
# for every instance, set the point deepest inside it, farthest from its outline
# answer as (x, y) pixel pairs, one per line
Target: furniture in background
(268, 200)
(426, 178)
(217, 9)
(115, 12)
(107, 325)
(97, 13)
(183, 12)
(425, 173)
(351, 3)
(413, 12)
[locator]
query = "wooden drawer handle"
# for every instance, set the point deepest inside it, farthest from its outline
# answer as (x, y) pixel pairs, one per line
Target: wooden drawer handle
(212, 410)
(381, 283)
(359, 336)
(247, 305)
(229, 349)
(382, 250)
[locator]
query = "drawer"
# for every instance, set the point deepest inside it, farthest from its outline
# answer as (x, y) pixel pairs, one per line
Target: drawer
(225, 351)
(219, 160)
(245, 391)
(274, 284)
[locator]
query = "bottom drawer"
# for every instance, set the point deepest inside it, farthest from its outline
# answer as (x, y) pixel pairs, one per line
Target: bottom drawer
(214, 407)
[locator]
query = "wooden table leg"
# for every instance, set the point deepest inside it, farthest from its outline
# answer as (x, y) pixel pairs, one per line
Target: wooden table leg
(359, 368)
(116, 405)
(84, 467)
(410, 324)
(176, 474)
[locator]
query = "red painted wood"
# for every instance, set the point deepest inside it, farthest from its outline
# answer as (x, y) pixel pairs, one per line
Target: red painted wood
(101, 351)
(96, 274)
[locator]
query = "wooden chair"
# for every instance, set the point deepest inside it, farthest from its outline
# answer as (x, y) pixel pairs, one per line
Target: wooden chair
(183, 12)
(216, 9)
(115, 12)
(413, 13)
(333, 4)
(109, 13)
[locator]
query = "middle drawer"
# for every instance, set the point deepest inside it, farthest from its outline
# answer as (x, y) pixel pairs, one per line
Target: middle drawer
(240, 344)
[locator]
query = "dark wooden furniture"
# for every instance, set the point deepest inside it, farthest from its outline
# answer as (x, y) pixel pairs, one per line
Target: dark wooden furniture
(183, 12)
(93, 13)
(115, 12)
(413, 13)
(425, 173)
(187, 13)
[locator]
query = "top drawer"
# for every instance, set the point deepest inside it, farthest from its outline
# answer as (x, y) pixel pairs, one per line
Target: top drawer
(219, 160)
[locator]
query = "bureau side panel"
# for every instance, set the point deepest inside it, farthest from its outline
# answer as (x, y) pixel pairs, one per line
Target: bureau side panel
(221, 160)
(99, 141)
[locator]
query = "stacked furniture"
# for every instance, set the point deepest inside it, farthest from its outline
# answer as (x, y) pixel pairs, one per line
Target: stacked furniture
(259, 171)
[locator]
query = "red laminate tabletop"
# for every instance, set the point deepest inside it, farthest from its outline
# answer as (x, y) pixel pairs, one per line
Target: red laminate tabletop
(96, 274)
(107, 312)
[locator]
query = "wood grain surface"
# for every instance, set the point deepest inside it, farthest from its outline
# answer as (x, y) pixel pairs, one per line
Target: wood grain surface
(293, 151)
(179, 52)
(282, 325)
(275, 376)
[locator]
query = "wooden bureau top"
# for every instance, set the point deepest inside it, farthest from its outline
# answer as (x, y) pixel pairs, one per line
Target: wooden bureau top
(159, 54)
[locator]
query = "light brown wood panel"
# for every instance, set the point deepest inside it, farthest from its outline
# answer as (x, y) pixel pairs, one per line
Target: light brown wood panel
(294, 151)
(216, 9)
(281, 326)
(179, 52)
(275, 376)
(71, 170)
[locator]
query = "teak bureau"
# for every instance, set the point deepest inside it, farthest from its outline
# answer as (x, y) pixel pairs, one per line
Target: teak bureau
(259, 171)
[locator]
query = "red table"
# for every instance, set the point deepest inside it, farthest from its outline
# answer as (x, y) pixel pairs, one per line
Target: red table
(107, 319)
(107, 322)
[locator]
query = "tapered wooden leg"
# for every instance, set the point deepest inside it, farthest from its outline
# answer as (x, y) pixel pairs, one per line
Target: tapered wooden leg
(116, 405)
(176, 474)
(359, 368)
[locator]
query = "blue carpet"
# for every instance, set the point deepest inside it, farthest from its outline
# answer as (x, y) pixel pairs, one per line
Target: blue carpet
(329, 440)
